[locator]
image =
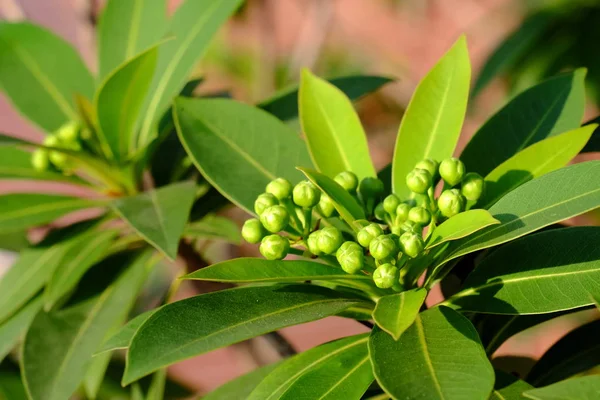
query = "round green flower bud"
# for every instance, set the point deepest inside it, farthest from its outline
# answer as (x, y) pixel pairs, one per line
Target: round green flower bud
(312, 242)
(390, 203)
(347, 180)
(275, 218)
(410, 226)
(306, 195)
(329, 240)
(39, 160)
(69, 132)
(280, 188)
(59, 159)
(371, 188)
(351, 257)
(385, 276)
(418, 181)
(402, 212)
(274, 247)
(326, 206)
(51, 141)
(253, 231)
(452, 171)
(264, 201)
(428, 165)
(379, 212)
(450, 203)
(419, 215)
(472, 186)
(368, 233)
(383, 247)
(412, 244)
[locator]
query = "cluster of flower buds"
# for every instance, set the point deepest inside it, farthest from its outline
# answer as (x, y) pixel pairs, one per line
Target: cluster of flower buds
(66, 137)
(381, 245)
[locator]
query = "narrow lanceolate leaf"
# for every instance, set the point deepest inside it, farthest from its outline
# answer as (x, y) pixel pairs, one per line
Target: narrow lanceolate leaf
(119, 101)
(11, 386)
(551, 198)
(20, 211)
(536, 160)
(84, 252)
(438, 357)
(67, 338)
(122, 338)
(508, 387)
(41, 73)
(397, 312)
(284, 104)
(193, 25)
(307, 364)
(179, 330)
(559, 275)
(159, 215)
(16, 326)
(550, 108)
(240, 388)
(335, 136)
(460, 226)
(575, 353)
(344, 203)
(242, 270)
(126, 28)
(434, 117)
(583, 388)
(213, 227)
(238, 148)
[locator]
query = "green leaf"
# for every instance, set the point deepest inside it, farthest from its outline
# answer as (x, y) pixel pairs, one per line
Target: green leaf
(573, 354)
(41, 73)
(238, 148)
(126, 28)
(536, 160)
(95, 374)
(559, 275)
(334, 134)
(284, 104)
(433, 120)
(84, 252)
(550, 108)
(508, 387)
(193, 25)
(306, 364)
(159, 215)
(460, 226)
(122, 338)
(240, 388)
(551, 198)
(24, 210)
(235, 315)
(513, 48)
(344, 203)
(245, 270)
(156, 391)
(213, 227)
(438, 357)
(66, 339)
(11, 386)
(16, 326)
(119, 101)
(395, 313)
(583, 388)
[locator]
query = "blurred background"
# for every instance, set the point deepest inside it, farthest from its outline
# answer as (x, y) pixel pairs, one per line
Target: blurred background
(513, 44)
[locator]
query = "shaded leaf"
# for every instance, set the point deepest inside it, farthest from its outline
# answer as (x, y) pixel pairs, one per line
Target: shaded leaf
(395, 313)
(41, 73)
(583, 388)
(460, 226)
(241, 313)
(11, 386)
(122, 338)
(433, 120)
(159, 215)
(213, 227)
(446, 359)
(334, 134)
(12, 329)
(306, 364)
(508, 387)
(552, 107)
(241, 387)
(239, 149)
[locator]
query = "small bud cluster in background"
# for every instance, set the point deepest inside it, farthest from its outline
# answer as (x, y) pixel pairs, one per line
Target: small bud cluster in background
(300, 219)
(68, 138)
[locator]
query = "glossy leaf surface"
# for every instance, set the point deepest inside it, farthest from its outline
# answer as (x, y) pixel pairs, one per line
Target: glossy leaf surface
(582, 388)
(460, 226)
(395, 313)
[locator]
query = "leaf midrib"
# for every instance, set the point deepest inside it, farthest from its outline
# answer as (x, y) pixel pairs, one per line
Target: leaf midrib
(438, 117)
(133, 29)
(54, 206)
(427, 357)
(343, 378)
(284, 279)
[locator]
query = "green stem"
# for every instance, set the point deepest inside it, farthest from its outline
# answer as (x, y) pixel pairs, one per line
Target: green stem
(307, 222)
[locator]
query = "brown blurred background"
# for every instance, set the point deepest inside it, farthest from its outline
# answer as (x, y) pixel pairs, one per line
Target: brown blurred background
(261, 50)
